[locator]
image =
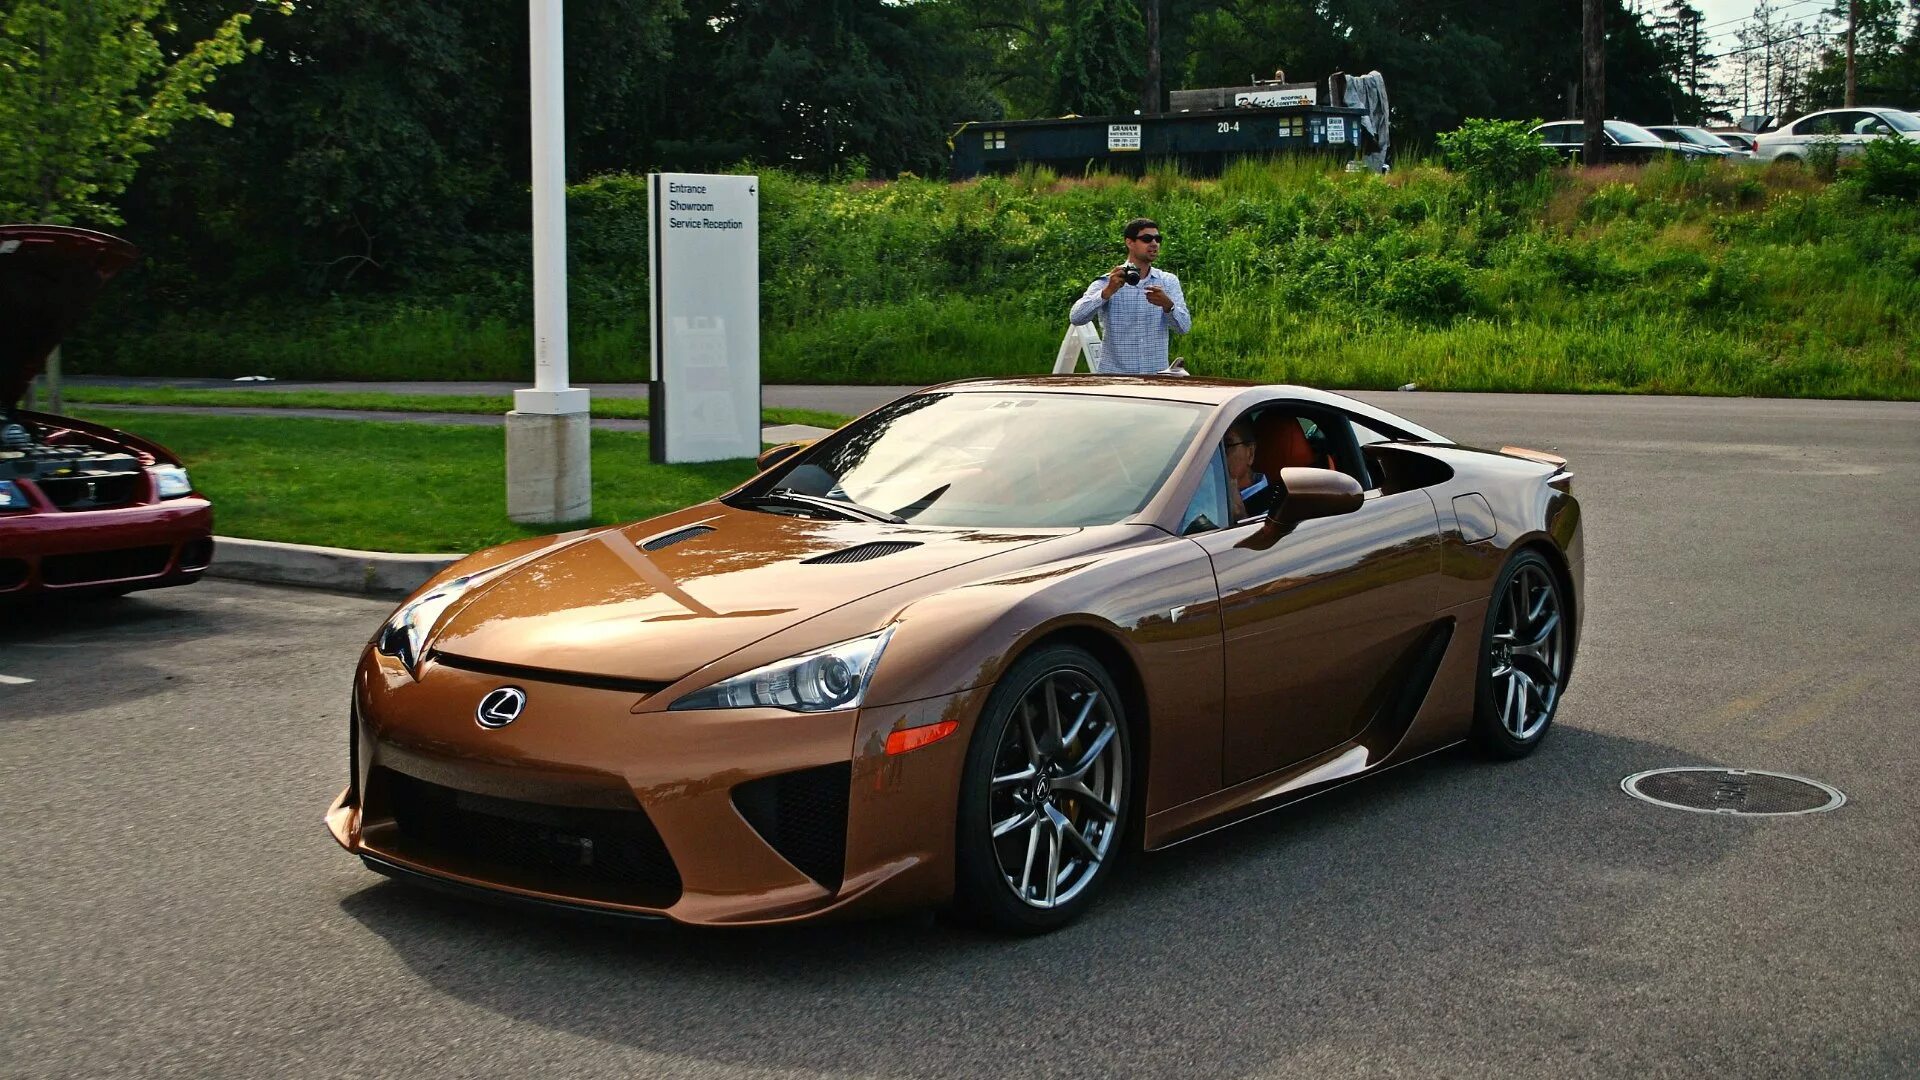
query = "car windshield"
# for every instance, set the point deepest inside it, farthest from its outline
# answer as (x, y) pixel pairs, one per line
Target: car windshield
(1734, 141)
(1007, 460)
(1630, 133)
(1902, 121)
(1701, 137)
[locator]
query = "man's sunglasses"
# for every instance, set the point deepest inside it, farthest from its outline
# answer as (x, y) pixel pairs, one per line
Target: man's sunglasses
(1148, 238)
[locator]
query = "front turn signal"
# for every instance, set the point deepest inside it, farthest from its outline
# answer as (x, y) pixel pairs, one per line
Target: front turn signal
(913, 738)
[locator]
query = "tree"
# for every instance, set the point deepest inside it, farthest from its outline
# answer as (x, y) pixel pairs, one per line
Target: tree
(379, 142)
(1098, 70)
(1881, 77)
(825, 87)
(86, 90)
(1680, 36)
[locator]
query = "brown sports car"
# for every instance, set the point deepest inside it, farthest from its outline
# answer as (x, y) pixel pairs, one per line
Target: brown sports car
(966, 650)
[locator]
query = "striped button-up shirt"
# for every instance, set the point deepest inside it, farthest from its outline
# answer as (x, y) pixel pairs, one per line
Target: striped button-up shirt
(1133, 332)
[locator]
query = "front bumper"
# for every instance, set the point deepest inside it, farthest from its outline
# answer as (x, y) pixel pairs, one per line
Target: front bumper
(594, 800)
(145, 546)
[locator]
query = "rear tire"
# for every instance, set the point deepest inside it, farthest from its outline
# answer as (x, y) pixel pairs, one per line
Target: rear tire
(1045, 797)
(1526, 653)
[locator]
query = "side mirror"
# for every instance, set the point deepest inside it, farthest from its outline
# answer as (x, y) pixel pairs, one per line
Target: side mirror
(774, 455)
(1315, 493)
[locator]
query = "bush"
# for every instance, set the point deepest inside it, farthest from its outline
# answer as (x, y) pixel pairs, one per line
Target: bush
(1497, 155)
(1427, 288)
(1823, 157)
(1889, 170)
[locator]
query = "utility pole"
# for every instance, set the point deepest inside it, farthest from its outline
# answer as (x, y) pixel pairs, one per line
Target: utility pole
(1853, 22)
(1593, 92)
(1150, 94)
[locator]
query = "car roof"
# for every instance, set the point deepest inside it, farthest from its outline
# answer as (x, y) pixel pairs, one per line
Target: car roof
(1196, 389)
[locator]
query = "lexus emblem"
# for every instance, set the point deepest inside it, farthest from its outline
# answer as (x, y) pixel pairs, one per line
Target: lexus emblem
(501, 707)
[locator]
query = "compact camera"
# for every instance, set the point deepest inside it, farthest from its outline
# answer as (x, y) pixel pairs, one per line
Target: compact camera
(1132, 274)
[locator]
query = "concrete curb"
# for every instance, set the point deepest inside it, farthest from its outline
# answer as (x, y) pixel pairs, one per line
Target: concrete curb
(341, 570)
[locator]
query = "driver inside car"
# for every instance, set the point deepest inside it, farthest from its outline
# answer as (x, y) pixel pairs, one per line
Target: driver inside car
(1244, 481)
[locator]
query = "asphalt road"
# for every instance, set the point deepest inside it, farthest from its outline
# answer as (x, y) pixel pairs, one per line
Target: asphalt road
(171, 905)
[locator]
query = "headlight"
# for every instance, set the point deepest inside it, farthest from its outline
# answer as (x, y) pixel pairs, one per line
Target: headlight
(407, 630)
(835, 677)
(170, 480)
(12, 498)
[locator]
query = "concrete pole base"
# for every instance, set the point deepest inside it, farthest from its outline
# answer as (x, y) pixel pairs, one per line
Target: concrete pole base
(549, 467)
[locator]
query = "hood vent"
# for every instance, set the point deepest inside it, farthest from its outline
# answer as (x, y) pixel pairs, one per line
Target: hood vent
(863, 552)
(675, 537)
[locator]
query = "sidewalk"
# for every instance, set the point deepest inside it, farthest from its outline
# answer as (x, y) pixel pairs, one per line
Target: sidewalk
(852, 400)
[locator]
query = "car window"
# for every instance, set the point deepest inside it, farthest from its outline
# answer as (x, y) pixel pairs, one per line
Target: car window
(1208, 510)
(1630, 133)
(1849, 123)
(1557, 133)
(1015, 460)
(1815, 125)
(1901, 121)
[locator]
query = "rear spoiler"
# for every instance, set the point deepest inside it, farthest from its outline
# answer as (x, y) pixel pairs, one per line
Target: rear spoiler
(1561, 477)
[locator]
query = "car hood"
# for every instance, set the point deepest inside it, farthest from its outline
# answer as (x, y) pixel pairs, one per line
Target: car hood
(603, 604)
(49, 277)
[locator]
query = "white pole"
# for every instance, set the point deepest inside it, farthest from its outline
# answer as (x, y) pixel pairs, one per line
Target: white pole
(549, 198)
(549, 445)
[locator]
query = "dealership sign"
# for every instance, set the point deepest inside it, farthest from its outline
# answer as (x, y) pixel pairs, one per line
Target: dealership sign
(704, 234)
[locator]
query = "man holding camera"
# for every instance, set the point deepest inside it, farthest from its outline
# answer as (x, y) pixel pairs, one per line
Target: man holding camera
(1138, 306)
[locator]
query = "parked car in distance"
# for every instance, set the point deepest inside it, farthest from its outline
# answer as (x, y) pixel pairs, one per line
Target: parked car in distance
(1698, 137)
(1848, 130)
(1626, 142)
(83, 507)
(1734, 137)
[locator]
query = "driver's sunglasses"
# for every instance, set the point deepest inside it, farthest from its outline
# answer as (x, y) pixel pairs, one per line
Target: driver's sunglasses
(1148, 238)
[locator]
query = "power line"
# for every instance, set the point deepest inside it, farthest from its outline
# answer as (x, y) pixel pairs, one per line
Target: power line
(1774, 43)
(1749, 18)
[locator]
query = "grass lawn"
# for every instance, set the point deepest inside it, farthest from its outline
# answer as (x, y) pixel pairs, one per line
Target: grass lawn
(611, 408)
(398, 487)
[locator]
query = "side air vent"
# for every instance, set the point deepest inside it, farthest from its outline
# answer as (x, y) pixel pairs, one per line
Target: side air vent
(863, 552)
(803, 816)
(673, 538)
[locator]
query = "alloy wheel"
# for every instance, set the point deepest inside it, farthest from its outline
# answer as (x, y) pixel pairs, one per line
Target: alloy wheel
(1529, 652)
(1054, 809)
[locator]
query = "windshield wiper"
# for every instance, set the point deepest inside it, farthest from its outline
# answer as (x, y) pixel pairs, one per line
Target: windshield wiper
(845, 507)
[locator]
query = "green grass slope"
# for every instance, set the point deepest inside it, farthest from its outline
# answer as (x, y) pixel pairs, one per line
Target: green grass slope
(1684, 279)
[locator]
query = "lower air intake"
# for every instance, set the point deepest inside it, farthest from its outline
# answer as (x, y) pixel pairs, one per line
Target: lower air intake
(93, 566)
(605, 854)
(803, 816)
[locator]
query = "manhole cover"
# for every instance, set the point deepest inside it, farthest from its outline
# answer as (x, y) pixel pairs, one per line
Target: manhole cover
(1746, 792)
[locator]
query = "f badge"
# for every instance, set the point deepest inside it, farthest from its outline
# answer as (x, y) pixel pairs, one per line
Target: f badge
(501, 707)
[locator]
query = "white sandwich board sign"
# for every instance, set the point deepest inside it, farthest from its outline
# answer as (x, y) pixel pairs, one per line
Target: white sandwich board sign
(704, 237)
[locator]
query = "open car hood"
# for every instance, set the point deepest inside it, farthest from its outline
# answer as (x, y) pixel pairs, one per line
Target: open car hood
(49, 278)
(606, 605)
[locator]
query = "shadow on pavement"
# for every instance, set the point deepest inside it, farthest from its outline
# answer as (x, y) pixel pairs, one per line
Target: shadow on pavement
(63, 640)
(1333, 928)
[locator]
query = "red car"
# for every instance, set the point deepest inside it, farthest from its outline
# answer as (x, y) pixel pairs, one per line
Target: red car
(83, 508)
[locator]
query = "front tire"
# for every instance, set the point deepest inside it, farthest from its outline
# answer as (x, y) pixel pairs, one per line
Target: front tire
(1526, 653)
(1046, 795)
